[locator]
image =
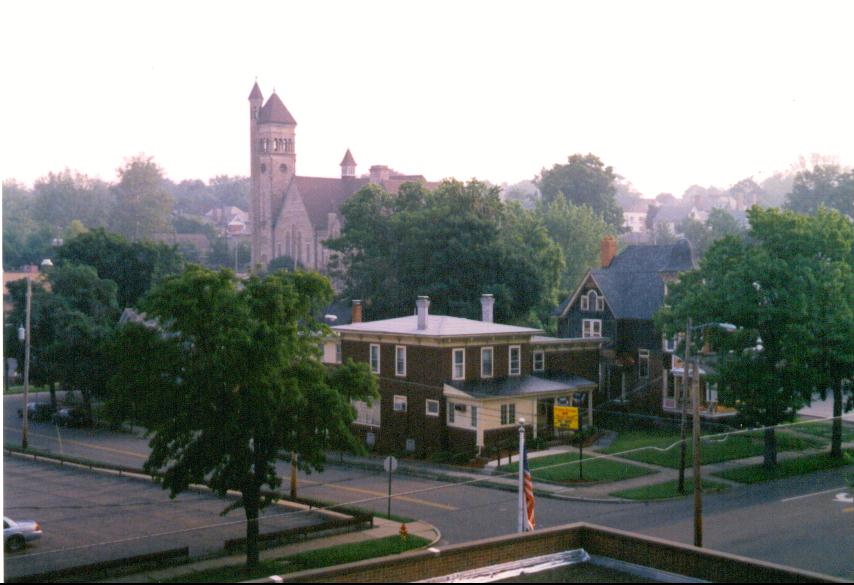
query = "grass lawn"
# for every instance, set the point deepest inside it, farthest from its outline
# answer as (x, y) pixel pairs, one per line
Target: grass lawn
(711, 451)
(786, 468)
(19, 389)
(667, 489)
(563, 468)
(315, 559)
(823, 429)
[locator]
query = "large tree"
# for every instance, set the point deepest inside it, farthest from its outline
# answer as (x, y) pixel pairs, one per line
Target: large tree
(133, 266)
(827, 185)
(143, 204)
(231, 378)
(584, 180)
(452, 244)
(60, 198)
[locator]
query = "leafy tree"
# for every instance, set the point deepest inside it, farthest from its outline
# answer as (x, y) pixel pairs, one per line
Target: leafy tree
(143, 205)
(60, 198)
(719, 224)
(585, 180)
(578, 231)
(232, 379)
(826, 185)
(389, 252)
(133, 266)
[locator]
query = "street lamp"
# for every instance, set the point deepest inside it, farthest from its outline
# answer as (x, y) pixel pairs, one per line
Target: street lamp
(24, 335)
(695, 443)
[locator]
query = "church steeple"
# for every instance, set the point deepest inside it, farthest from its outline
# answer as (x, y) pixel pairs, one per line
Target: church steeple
(348, 166)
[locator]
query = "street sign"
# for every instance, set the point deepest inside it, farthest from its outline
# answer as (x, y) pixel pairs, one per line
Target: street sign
(390, 464)
(566, 417)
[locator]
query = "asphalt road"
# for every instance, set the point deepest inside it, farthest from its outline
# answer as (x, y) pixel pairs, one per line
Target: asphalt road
(798, 522)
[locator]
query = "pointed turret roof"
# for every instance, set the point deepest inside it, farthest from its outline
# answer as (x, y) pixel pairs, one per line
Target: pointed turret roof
(348, 160)
(275, 111)
(256, 93)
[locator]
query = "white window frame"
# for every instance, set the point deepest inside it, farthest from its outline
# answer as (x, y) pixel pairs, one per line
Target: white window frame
(668, 345)
(600, 303)
(508, 413)
(458, 351)
(589, 328)
(711, 392)
(397, 370)
(491, 362)
(427, 405)
(510, 350)
(585, 303)
(374, 347)
(339, 354)
(542, 358)
(473, 416)
(643, 356)
(399, 401)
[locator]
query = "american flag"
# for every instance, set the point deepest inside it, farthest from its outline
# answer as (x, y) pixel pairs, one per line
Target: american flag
(528, 485)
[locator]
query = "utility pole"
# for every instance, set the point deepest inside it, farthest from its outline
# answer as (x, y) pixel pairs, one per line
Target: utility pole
(698, 501)
(684, 396)
(25, 426)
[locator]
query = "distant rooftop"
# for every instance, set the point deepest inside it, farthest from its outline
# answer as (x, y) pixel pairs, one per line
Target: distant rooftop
(437, 326)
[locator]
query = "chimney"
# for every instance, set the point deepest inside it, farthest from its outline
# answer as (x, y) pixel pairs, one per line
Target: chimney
(487, 304)
(607, 250)
(379, 174)
(423, 305)
(357, 312)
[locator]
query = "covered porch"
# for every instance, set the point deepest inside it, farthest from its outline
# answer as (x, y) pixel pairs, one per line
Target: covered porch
(672, 394)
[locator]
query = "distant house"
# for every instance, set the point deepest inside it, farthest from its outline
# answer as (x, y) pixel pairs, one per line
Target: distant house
(457, 385)
(618, 301)
(634, 215)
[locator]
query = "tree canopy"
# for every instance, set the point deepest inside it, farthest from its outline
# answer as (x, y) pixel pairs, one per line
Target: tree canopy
(584, 180)
(452, 244)
(230, 378)
(143, 205)
(827, 185)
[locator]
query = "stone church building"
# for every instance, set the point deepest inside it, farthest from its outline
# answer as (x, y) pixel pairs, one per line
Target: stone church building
(293, 215)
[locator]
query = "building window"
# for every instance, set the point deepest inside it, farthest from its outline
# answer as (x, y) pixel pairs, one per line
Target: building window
(539, 361)
(459, 365)
(453, 409)
(508, 414)
(486, 362)
(399, 403)
(432, 407)
(515, 360)
(643, 363)
(585, 303)
(474, 417)
(711, 392)
(668, 345)
(400, 360)
(592, 301)
(591, 328)
(375, 358)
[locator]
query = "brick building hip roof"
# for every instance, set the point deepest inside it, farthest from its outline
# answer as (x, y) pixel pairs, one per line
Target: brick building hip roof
(437, 326)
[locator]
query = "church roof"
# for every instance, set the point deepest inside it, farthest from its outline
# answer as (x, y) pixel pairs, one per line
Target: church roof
(275, 111)
(256, 92)
(348, 160)
(322, 195)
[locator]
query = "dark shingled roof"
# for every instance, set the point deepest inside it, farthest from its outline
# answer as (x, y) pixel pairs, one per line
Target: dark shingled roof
(348, 159)
(275, 111)
(323, 195)
(526, 385)
(633, 284)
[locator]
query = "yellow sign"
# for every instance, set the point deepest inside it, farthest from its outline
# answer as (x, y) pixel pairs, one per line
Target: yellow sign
(566, 417)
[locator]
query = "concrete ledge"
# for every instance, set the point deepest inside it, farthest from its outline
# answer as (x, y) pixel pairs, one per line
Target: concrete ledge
(655, 553)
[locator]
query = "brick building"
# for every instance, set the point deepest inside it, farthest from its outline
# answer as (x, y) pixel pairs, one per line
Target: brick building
(457, 385)
(292, 215)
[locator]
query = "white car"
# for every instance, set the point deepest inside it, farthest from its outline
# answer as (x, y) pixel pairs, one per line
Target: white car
(16, 535)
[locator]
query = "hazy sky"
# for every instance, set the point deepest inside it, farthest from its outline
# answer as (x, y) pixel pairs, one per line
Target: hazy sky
(668, 93)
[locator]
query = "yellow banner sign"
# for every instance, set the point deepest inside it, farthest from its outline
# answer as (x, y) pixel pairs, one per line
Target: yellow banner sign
(566, 417)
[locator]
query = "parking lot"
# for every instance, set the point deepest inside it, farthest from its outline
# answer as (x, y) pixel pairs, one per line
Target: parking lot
(89, 516)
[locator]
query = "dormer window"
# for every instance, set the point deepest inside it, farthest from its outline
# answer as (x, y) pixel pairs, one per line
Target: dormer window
(592, 301)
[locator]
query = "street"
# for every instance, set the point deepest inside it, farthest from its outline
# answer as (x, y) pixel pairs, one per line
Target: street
(806, 522)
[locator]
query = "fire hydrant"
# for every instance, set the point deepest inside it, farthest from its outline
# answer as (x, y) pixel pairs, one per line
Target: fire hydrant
(404, 533)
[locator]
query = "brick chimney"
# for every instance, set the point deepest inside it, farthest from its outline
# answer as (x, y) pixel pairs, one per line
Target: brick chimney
(607, 250)
(423, 306)
(487, 304)
(357, 312)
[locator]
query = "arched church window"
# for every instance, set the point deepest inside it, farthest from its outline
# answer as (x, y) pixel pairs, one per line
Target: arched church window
(283, 168)
(263, 168)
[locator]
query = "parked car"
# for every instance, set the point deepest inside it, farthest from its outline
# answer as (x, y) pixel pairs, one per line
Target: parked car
(16, 535)
(38, 411)
(72, 416)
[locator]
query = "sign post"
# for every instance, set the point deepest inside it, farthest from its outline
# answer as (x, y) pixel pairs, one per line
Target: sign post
(390, 465)
(569, 418)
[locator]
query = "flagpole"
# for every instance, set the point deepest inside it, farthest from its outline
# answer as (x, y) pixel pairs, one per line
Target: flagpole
(521, 458)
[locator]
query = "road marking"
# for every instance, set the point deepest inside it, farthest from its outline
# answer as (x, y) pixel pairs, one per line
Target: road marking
(82, 444)
(836, 489)
(382, 495)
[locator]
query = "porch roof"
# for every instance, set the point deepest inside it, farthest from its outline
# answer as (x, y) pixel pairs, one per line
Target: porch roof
(522, 386)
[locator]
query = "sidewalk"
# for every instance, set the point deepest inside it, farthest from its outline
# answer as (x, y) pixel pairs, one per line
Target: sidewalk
(382, 528)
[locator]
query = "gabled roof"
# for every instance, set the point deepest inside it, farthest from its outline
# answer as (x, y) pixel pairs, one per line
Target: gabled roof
(633, 284)
(322, 195)
(437, 326)
(275, 111)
